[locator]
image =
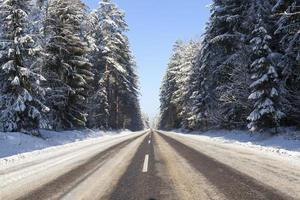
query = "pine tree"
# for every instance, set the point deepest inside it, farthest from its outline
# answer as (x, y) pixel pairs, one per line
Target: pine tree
(265, 88)
(129, 108)
(20, 89)
(116, 79)
(99, 106)
(67, 68)
(113, 25)
(132, 116)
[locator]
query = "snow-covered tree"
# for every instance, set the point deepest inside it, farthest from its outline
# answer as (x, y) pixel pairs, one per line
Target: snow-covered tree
(129, 106)
(242, 72)
(169, 117)
(116, 79)
(39, 14)
(146, 121)
(20, 107)
(112, 25)
(183, 73)
(67, 69)
(267, 112)
(222, 58)
(288, 24)
(99, 105)
(175, 108)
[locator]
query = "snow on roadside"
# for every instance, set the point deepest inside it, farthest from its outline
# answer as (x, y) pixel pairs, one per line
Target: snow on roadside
(18, 144)
(286, 144)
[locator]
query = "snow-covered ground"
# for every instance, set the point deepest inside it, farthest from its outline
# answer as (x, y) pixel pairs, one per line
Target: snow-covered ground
(286, 144)
(15, 144)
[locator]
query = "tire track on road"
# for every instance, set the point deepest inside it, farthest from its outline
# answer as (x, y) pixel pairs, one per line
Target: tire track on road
(6, 171)
(65, 183)
(137, 184)
(232, 183)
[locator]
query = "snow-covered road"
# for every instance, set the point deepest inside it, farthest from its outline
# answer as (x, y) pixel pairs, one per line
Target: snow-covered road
(265, 164)
(21, 176)
(152, 165)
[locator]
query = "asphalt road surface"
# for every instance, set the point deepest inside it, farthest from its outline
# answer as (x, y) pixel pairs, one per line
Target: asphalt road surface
(148, 166)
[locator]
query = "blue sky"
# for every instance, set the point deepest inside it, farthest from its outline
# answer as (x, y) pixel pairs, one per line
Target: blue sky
(154, 27)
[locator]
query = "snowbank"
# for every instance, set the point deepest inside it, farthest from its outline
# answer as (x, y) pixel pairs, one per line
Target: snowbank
(18, 143)
(287, 143)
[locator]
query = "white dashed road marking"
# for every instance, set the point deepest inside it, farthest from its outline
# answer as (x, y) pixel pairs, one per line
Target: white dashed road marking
(145, 167)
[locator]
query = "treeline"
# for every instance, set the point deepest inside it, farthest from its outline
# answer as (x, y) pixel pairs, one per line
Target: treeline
(63, 67)
(244, 73)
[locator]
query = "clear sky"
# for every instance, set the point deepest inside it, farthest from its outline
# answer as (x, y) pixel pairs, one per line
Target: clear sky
(154, 27)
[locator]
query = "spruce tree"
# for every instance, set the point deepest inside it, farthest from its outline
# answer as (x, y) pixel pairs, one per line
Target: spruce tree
(168, 110)
(267, 111)
(288, 36)
(221, 59)
(20, 78)
(67, 68)
(98, 105)
(181, 68)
